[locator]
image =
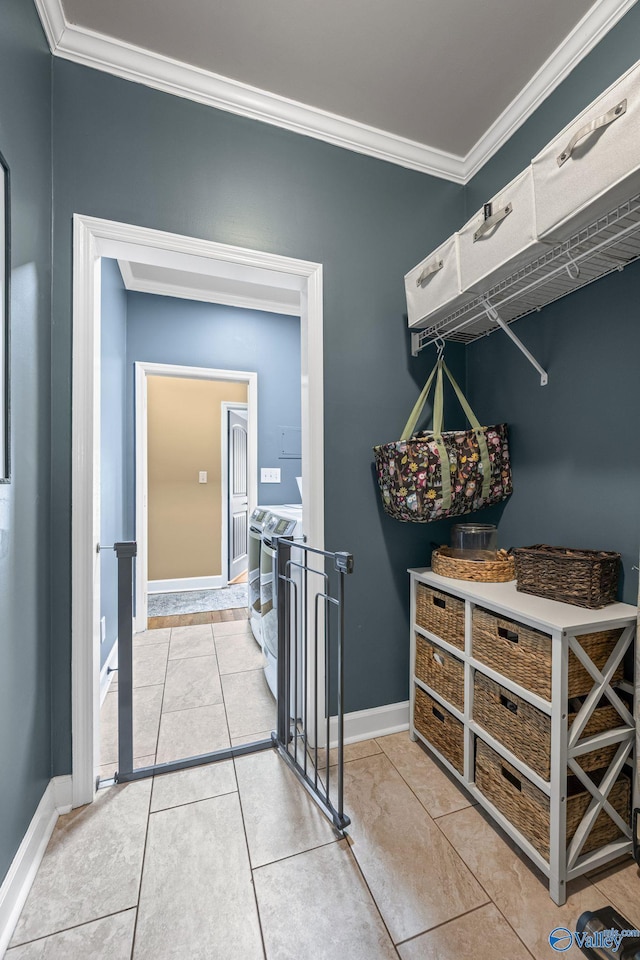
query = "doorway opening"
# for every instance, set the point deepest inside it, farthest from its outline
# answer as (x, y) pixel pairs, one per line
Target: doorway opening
(196, 485)
(250, 272)
(235, 499)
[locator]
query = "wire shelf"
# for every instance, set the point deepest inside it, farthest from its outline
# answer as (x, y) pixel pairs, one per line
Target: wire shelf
(602, 247)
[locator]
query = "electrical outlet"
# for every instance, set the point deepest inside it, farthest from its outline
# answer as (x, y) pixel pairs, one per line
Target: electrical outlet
(270, 475)
(103, 629)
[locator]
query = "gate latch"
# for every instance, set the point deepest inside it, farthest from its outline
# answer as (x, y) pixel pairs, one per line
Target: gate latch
(344, 562)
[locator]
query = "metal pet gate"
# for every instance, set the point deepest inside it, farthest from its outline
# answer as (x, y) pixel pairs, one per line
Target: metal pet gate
(310, 593)
(309, 590)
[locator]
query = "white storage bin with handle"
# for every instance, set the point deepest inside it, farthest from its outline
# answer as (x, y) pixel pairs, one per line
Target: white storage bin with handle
(593, 165)
(433, 287)
(501, 237)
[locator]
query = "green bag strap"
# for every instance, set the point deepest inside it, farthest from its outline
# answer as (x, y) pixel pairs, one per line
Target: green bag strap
(416, 413)
(464, 403)
(438, 423)
(438, 401)
(438, 418)
(479, 432)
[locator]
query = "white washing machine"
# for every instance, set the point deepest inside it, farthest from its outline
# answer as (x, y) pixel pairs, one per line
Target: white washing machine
(283, 521)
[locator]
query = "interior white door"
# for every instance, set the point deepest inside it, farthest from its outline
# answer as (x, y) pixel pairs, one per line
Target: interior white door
(238, 525)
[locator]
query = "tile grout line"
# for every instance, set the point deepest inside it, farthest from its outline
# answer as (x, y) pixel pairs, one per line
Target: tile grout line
(510, 844)
(246, 843)
(226, 720)
(398, 771)
(234, 673)
(164, 687)
(299, 853)
(215, 654)
(434, 820)
(355, 861)
(475, 877)
(184, 709)
(166, 713)
(512, 928)
(108, 763)
(495, 826)
(189, 803)
(490, 899)
(439, 926)
(603, 894)
(142, 866)
(74, 926)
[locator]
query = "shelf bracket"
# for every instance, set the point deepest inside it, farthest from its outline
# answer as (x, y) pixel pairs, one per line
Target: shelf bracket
(415, 343)
(493, 314)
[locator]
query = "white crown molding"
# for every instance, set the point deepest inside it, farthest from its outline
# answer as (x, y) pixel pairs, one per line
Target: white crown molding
(595, 24)
(182, 291)
(53, 21)
(133, 63)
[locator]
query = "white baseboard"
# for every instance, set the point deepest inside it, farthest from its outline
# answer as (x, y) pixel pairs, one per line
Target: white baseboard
(186, 583)
(105, 675)
(375, 722)
(16, 885)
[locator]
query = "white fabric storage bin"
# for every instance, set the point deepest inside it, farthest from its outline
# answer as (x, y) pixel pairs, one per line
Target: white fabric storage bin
(593, 165)
(433, 287)
(501, 237)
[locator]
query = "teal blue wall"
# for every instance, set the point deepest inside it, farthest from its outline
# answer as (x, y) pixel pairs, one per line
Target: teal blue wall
(186, 332)
(25, 543)
(576, 462)
(128, 153)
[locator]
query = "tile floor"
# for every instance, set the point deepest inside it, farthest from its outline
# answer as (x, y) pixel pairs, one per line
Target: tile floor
(233, 861)
(196, 689)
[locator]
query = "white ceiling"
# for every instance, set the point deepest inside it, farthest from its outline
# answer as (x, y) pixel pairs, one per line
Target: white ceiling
(213, 281)
(431, 85)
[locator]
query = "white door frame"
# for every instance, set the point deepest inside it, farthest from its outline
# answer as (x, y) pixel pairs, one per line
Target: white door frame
(94, 238)
(143, 371)
(226, 406)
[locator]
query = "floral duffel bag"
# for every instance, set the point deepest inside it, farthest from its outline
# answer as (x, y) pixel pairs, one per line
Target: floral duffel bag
(477, 470)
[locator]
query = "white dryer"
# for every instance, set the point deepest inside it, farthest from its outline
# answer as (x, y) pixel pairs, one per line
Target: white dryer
(283, 521)
(256, 524)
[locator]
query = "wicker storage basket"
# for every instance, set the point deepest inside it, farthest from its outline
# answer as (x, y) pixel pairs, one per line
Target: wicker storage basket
(440, 614)
(526, 731)
(491, 569)
(524, 655)
(527, 808)
(440, 670)
(440, 728)
(586, 578)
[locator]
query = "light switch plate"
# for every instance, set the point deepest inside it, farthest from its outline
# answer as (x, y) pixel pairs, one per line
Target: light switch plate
(202, 476)
(270, 475)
